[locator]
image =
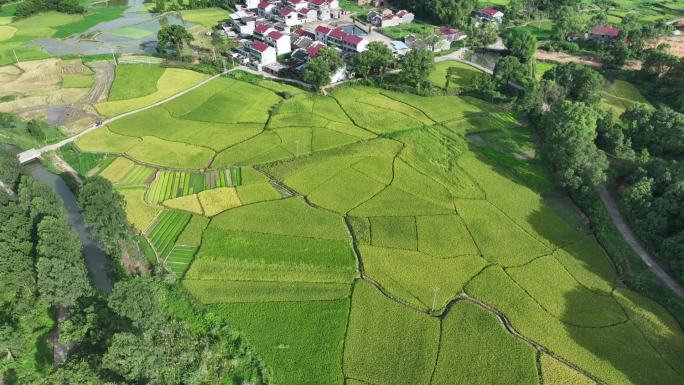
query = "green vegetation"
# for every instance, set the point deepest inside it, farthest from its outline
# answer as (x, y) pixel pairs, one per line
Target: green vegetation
(77, 81)
(134, 81)
(179, 259)
(139, 214)
(94, 16)
(169, 226)
(207, 17)
(288, 334)
(387, 343)
(173, 184)
(192, 234)
(473, 339)
(80, 161)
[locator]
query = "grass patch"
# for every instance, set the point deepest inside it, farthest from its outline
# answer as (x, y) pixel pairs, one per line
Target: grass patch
(557, 373)
(224, 291)
(95, 16)
(192, 234)
(134, 81)
(462, 77)
(387, 343)
(80, 161)
(218, 200)
(166, 230)
(473, 339)
(301, 341)
(78, 81)
(207, 17)
(138, 212)
(179, 259)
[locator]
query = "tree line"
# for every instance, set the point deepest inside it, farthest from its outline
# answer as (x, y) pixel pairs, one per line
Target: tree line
(27, 8)
(145, 332)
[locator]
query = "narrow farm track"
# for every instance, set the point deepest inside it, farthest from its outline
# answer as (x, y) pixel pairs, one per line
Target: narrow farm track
(621, 224)
(35, 153)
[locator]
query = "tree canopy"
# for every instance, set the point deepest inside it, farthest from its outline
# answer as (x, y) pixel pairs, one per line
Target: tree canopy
(416, 66)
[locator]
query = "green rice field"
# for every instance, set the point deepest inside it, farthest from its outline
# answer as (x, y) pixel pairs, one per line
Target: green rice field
(372, 237)
(166, 231)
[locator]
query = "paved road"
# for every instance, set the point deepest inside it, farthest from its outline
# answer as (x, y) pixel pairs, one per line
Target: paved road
(34, 153)
(624, 229)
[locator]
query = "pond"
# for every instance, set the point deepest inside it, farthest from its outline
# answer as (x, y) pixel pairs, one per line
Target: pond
(134, 32)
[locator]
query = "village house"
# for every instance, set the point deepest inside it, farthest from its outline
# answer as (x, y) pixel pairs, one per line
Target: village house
(307, 15)
(345, 42)
(287, 16)
(490, 14)
(326, 9)
(243, 22)
(450, 34)
(387, 18)
(251, 4)
(297, 4)
(601, 33)
(261, 30)
(262, 54)
(279, 41)
(265, 9)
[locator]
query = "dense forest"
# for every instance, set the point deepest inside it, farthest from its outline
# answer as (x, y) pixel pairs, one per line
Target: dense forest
(27, 8)
(145, 331)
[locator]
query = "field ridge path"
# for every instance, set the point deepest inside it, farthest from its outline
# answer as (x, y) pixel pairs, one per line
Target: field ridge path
(619, 222)
(34, 153)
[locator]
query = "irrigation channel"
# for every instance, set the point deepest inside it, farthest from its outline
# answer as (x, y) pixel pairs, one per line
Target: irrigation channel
(96, 260)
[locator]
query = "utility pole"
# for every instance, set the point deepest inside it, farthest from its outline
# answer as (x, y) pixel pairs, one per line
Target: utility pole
(16, 58)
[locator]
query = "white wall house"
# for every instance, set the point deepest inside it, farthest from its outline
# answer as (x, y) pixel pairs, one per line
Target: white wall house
(262, 54)
(251, 4)
(265, 9)
(280, 41)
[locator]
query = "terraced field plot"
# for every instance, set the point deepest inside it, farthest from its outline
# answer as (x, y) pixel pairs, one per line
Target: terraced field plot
(174, 184)
(179, 259)
(368, 241)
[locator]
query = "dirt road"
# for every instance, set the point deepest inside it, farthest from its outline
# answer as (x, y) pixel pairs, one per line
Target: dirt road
(631, 239)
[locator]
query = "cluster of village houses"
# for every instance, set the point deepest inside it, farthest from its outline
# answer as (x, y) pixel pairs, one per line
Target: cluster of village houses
(285, 34)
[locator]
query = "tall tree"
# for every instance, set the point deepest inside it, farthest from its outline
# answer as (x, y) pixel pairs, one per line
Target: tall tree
(174, 36)
(104, 210)
(375, 60)
(453, 12)
(581, 83)
(9, 168)
(416, 66)
(570, 131)
(521, 44)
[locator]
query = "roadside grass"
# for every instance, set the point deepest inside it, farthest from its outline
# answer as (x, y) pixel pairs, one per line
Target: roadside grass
(473, 339)
(388, 344)
(168, 227)
(140, 214)
(287, 334)
(134, 81)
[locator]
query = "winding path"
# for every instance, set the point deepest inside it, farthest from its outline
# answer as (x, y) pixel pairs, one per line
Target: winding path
(633, 242)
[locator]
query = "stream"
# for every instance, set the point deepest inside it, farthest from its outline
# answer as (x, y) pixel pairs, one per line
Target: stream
(97, 262)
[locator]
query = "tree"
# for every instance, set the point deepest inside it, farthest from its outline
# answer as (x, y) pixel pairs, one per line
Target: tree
(317, 73)
(483, 34)
(104, 210)
(9, 168)
(374, 60)
(581, 83)
(62, 278)
(521, 44)
(610, 137)
(570, 131)
(319, 70)
(416, 66)
(173, 35)
(510, 74)
(453, 12)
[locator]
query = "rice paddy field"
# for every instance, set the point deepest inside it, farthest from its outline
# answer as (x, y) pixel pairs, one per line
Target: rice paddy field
(371, 237)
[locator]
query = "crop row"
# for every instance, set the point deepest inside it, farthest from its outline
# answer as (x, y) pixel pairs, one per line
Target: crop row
(167, 229)
(173, 184)
(137, 175)
(179, 259)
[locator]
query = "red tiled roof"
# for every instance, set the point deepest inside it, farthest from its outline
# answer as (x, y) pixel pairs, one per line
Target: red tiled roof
(313, 50)
(489, 11)
(318, 2)
(261, 28)
(605, 31)
(296, 1)
(264, 4)
(323, 29)
(353, 39)
(275, 35)
(259, 46)
(304, 11)
(402, 13)
(444, 30)
(301, 32)
(338, 33)
(285, 11)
